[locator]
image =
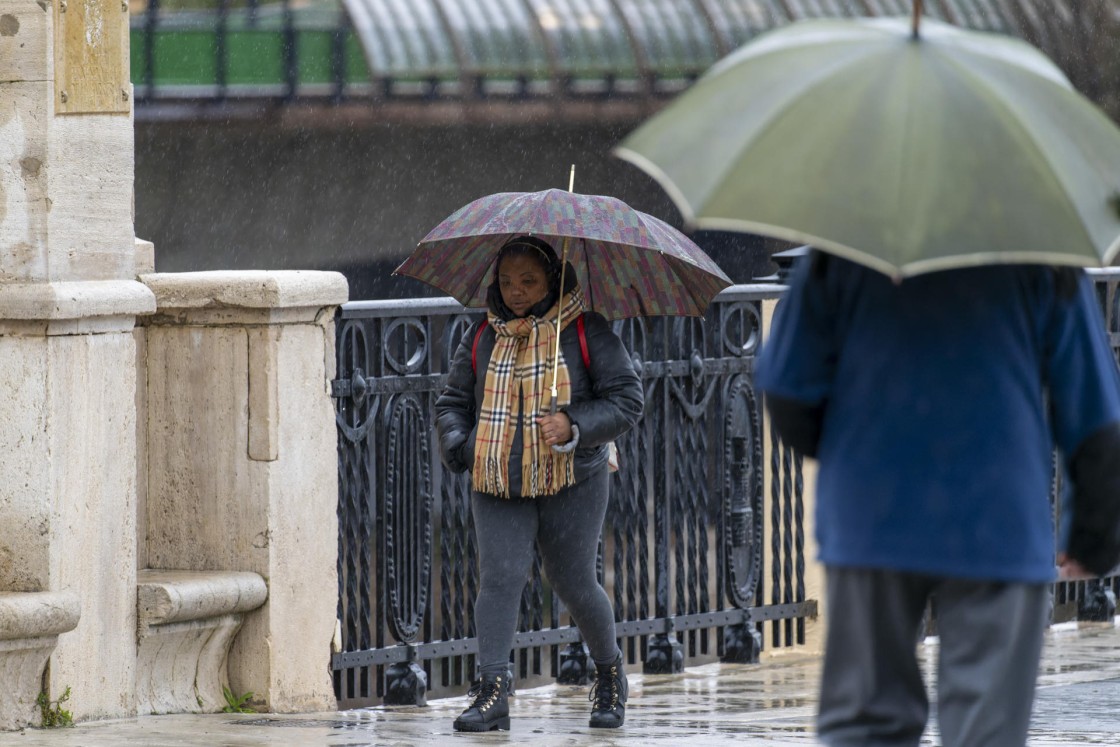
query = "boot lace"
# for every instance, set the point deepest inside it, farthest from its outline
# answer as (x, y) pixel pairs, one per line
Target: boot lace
(604, 693)
(485, 693)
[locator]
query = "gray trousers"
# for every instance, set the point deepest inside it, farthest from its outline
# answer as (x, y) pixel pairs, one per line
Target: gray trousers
(566, 526)
(990, 637)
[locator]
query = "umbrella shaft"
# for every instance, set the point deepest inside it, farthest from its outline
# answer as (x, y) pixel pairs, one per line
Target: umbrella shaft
(560, 305)
(559, 315)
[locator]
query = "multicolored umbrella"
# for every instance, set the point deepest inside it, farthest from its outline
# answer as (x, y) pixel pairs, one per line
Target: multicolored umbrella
(627, 262)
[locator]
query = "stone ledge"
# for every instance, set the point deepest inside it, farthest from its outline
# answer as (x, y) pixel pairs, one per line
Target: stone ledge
(186, 622)
(30, 623)
(166, 596)
(247, 289)
(66, 300)
(31, 614)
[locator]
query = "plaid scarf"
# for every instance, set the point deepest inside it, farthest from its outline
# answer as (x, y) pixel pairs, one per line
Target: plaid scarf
(518, 382)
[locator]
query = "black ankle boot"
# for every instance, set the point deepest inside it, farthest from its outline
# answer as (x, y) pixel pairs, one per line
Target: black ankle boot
(490, 708)
(609, 695)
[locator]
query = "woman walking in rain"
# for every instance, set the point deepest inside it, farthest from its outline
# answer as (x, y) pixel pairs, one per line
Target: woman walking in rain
(538, 477)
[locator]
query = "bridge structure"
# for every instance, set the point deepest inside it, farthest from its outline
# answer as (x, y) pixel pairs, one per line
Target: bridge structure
(193, 58)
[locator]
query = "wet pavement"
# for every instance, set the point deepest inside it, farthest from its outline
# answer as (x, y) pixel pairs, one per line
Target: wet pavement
(715, 704)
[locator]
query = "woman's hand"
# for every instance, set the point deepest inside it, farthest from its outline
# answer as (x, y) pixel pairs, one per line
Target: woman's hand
(556, 429)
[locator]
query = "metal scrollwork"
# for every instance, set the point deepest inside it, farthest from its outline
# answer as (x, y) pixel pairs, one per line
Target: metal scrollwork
(634, 333)
(408, 518)
(695, 388)
(354, 410)
(456, 327)
(743, 493)
(741, 325)
(693, 396)
(406, 345)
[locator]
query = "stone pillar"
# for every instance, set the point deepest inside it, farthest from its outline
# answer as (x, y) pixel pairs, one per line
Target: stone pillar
(242, 461)
(68, 302)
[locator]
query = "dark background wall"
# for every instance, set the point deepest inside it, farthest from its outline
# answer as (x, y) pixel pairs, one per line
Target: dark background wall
(262, 195)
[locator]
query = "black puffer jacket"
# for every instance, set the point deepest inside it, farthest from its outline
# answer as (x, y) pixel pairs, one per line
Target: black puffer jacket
(607, 400)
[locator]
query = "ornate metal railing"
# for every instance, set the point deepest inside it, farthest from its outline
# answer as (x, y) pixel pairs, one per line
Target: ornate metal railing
(682, 554)
(698, 555)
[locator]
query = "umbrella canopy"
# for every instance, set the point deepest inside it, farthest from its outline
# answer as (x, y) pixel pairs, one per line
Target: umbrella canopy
(627, 262)
(906, 153)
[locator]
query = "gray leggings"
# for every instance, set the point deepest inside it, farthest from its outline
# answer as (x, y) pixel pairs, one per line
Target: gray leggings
(567, 528)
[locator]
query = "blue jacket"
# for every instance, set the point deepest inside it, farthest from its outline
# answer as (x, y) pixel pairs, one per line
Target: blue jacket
(935, 441)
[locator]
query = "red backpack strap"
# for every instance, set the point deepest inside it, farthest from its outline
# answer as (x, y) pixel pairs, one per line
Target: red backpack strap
(583, 342)
(474, 348)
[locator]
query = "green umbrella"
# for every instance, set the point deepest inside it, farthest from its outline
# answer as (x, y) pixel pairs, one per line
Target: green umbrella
(906, 153)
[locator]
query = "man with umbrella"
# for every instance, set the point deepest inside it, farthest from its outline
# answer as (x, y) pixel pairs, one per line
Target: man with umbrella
(927, 405)
(933, 379)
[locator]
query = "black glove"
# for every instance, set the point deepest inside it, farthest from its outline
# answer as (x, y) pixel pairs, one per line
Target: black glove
(1094, 539)
(797, 423)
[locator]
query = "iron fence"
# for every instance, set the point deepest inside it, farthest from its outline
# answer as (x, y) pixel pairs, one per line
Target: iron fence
(682, 554)
(698, 556)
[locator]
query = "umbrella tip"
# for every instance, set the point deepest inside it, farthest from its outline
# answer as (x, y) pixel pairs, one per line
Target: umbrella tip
(1114, 201)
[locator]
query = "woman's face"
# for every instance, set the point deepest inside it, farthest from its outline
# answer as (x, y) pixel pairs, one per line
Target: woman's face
(522, 281)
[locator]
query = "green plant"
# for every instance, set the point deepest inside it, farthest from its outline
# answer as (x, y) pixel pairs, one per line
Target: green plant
(53, 713)
(236, 703)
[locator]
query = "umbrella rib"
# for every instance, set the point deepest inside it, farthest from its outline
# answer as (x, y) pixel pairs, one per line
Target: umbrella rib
(589, 293)
(1111, 252)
